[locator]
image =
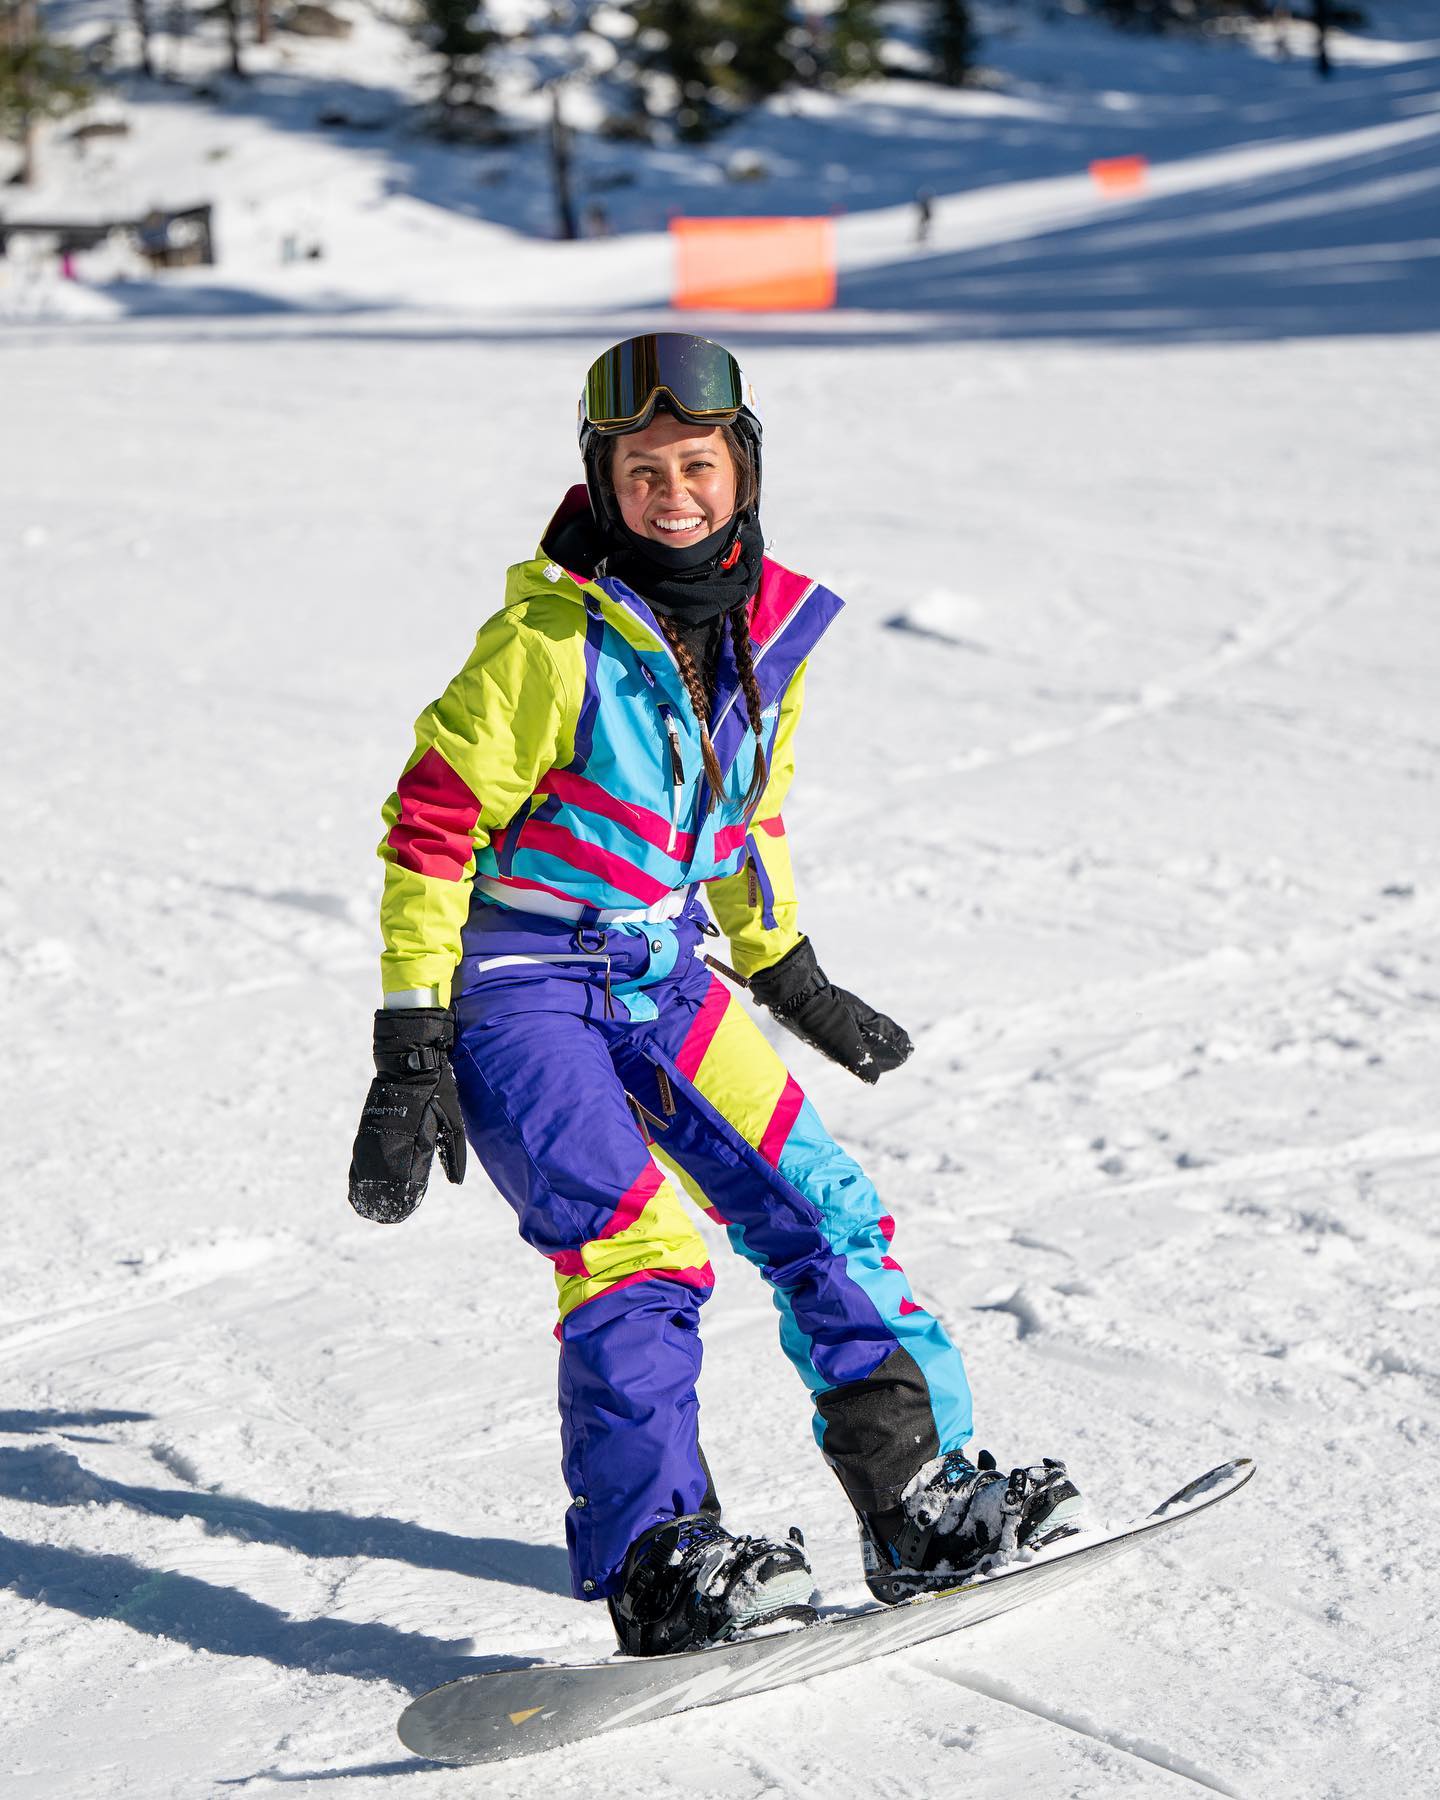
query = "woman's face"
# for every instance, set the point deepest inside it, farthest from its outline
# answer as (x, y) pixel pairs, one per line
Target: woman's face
(674, 482)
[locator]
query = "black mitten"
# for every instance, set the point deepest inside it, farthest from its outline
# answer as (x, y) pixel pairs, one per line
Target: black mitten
(835, 1022)
(412, 1108)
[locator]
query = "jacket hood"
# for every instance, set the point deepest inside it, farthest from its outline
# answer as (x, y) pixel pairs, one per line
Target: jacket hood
(564, 567)
(572, 538)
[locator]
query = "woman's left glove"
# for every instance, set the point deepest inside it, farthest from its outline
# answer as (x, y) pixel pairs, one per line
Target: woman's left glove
(412, 1108)
(836, 1023)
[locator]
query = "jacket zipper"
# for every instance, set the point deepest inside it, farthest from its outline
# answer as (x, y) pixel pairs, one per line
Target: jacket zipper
(677, 768)
(677, 776)
(677, 762)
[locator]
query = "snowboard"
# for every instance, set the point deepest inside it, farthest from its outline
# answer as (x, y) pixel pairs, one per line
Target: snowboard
(516, 1712)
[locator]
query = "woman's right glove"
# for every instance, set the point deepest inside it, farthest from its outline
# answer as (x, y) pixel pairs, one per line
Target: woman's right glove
(412, 1108)
(836, 1023)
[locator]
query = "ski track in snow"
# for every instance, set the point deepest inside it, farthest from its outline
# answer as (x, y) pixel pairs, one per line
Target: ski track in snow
(1245, 642)
(1139, 1748)
(1117, 786)
(1163, 1159)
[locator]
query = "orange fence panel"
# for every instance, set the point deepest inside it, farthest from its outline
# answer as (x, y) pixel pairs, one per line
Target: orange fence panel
(1119, 174)
(754, 265)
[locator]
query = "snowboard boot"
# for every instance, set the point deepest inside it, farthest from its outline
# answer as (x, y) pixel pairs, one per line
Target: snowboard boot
(956, 1518)
(689, 1582)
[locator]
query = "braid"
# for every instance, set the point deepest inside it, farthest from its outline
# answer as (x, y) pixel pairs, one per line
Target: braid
(698, 690)
(712, 661)
(739, 619)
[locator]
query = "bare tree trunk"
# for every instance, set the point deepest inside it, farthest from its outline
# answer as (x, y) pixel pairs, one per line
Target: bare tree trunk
(177, 27)
(1322, 32)
(232, 32)
(141, 11)
(23, 30)
(560, 168)
(262, 21)
(24, 176)
(23, 26)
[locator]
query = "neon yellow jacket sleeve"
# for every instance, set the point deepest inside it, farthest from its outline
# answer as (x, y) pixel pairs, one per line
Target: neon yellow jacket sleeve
(757, 909)
(480, 751)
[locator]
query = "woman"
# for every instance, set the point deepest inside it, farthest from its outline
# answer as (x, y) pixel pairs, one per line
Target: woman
(622, 736)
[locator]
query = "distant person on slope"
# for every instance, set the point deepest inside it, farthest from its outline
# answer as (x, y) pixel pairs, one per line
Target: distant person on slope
(622, 739)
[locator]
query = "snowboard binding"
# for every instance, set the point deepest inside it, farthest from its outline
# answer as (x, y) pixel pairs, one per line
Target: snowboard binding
(958, 1518)
(688, 1582)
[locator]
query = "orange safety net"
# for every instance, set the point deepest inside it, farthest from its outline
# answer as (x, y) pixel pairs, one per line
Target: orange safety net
(754, 265)
(1119, 174)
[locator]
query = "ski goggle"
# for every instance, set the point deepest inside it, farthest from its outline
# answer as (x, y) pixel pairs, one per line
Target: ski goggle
(699, 381)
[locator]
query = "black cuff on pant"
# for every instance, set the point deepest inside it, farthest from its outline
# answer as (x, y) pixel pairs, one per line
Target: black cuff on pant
(879, 1431)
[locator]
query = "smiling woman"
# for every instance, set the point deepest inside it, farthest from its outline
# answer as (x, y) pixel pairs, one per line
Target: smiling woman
(674, 483)
(622, 740)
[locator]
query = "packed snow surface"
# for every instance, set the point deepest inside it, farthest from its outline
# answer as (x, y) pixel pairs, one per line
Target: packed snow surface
(1117, 786)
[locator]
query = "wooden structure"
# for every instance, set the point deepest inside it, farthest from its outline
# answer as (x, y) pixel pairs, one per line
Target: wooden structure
(167, 240)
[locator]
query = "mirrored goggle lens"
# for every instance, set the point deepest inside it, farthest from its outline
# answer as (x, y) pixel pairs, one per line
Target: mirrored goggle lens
(701, 378)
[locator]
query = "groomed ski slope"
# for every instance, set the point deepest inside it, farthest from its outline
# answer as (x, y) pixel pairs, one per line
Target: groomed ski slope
(1118, 786)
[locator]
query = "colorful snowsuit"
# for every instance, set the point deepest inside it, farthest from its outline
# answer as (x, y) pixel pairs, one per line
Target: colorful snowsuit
(544, 852)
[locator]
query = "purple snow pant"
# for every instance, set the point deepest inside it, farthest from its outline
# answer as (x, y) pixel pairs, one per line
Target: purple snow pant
(580, 1053)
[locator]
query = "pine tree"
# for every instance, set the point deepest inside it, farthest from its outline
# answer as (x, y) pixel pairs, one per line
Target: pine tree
(720, 54)
(675, 39)
(950, 39)
(39, 79)
(755, 32)
(853, 50)
(458, 34)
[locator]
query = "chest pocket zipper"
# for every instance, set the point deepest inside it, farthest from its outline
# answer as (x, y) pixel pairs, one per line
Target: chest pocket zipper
(677, 776)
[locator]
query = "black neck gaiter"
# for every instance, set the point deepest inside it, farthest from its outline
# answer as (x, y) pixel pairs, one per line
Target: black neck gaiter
(697, 582)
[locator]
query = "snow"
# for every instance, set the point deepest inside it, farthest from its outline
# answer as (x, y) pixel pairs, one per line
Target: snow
(1117, 787)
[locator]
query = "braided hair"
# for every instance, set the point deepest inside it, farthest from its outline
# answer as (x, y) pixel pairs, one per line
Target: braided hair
(700, 685)
(739, 618)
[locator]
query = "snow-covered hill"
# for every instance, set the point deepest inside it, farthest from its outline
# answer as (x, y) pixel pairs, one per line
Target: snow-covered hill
(1275, 200)
(1117, 785)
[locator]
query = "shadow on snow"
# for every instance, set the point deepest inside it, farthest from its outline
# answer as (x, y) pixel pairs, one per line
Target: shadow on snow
(47, 1419)
(410, 1765)
(1340, 247)
(49, 1477)
(228, 1623)
(1350, 246)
